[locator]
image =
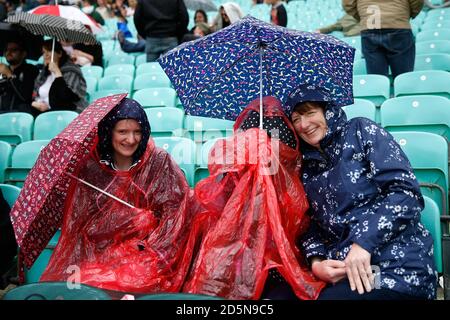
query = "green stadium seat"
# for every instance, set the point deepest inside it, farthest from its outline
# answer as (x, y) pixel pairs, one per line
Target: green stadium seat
(122, 82)
(431, 219)
(92, 71)
(5, 158)
(10, 193)
(149, 67)
(433, 24)
(156, 97)
(201, 129)
(202, 171)
(121, 59)
(183, 151)
(16, 127)
(165, 121)
(49, 124)
(140, 59)
(434, 82)
(417, 113)
(353, 41)
(56, 291)
(33, 274)
(433, 61)
(428, 155)
(359, 67)
(361, 108)
(23, 159)
(104, 93)
(91, 84)
(151, 80)
(433, 34)
(373, 87)
(429, 47)
(120, 69)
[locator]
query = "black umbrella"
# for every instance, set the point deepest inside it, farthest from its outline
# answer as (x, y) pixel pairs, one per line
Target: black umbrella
(32, 43)
(60, 28)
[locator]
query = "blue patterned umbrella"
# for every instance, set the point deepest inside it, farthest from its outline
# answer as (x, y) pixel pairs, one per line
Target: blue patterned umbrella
(218, 75)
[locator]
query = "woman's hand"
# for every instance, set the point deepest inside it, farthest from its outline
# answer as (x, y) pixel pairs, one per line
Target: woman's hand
(358, 269)
(40, 105)
(330, 271)
(54, 68)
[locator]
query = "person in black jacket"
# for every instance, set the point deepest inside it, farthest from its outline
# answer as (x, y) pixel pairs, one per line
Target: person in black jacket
(278, 14)
(17, 81)
(60, 85)
(162, 23)
(8, 245)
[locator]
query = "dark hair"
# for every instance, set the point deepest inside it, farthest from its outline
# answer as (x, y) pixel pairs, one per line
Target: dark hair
(48, 44)
(305, 106)
(203, 13)
(19, 42)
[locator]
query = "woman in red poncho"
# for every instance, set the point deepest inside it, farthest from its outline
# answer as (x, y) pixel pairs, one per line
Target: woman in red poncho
(257, 209)
(142, 250)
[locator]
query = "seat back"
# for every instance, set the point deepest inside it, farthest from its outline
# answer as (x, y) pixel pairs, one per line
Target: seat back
(5, 158)
(120, 69)
(155, 97)
(431, 219)
(120, 59)
(361, 108)
(151, 80)
(92, 71)
(49, 124)
(149, 67)
(428, 155)
(122, 82)
(103, 93)
(432, 61)
(10, 193)
(417, 113)
(373, 87)
(433, 82)
(201, 129)
(433, 46)
(183, 151)
(16, 127)
(165, 121)
(433, 34)
(56, 291)
(202, 171)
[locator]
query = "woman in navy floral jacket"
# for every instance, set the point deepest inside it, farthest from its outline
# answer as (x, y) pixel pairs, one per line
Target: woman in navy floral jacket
(365, 239)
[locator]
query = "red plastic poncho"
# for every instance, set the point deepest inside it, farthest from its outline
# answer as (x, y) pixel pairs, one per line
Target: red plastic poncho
(255, 217)
(142, 250)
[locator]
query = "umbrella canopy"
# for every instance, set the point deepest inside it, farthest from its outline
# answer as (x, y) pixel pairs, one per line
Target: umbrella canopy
(218, 75)
(32, 43)
(38, 211)
(68, 12)
(205, 5)
(60, 28)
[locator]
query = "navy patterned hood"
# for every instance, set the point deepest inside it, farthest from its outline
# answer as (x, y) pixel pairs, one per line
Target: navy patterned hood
(334, 115)
(126, 109)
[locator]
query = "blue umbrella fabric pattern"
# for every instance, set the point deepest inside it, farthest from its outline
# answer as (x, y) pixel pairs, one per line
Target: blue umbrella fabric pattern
(218, 75)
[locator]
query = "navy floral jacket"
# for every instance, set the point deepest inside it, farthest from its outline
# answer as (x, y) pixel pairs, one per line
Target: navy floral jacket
(362, 190)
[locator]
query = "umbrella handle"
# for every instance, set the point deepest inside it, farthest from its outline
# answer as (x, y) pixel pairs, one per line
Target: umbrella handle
(53, 49)
(100, 190)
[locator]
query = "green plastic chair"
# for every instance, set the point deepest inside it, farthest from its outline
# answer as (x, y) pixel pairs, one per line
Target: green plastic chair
(120, 59)
(91, 84)
(16, 127)
(201, 172)
(431, 219)
(361, 108)
(5, 158)
(116, 82)
(437, 13)
(56, 291)
(165, 121)
(49, 124)
(149, 67)
(140, 59)
(177, 296)
(359, 67)
(433, 34)
(355, 42)
(10, 193)
(373, 87)
(120, 69)
(151, 80)
(434, 61)
(435, 25)
(33, 274)
(429, 47)
(104, 93)
(92, 71)
(156, 97)
(183, 151)
(417, 113)
(428, 155)
(202, 129)
(23, 159)
(434, 82)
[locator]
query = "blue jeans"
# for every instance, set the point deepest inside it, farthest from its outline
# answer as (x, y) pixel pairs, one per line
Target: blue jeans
(154, 47)
(386, 48)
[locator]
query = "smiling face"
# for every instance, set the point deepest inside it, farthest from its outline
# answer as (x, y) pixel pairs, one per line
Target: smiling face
(310, 123)
(126, 136)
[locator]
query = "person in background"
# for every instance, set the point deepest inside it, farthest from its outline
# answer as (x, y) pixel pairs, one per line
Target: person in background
(278, 14)
(229, 13)
(89, 7)
(60, 85)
